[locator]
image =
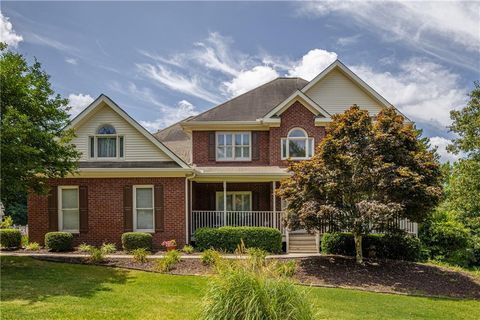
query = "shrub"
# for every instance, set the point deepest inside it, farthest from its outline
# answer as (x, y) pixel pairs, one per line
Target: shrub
(96, 254)
(140, 255)
(169, 261)
(239, 292)
(448, 240)
(6, 223)
(33, 246)
(84, 247)
(188, 249)
(285, 268)
(10, 238)
(390, 246)
(108, 248)
(59, 241)
(24, 240)
(228, 238)
(210, 257)
(135, 240)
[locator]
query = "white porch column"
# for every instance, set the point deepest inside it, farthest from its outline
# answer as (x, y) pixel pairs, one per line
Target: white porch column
(274, 205)
(224, 202)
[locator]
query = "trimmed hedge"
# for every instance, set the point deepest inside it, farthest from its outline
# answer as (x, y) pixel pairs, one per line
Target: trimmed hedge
(59, 241)
(388, 246)
(228, 238)
(10, 238)
(136, 240)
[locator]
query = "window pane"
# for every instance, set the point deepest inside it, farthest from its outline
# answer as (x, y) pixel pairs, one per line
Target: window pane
(296, 148)
(70, 220)
(296, 133)
(238, 139)
(238, 202)
(229, 152)
(246, 202)
(107, 147)
(144, 218)
(310, 147)
(144, 198)
(238, 152)
(221, 139)
(121, 147)
(246, 152)
(92, 147)
(220, 152)
(228, 139)
(284, 148)
(69, 198)
(106, 129)
(246, 139)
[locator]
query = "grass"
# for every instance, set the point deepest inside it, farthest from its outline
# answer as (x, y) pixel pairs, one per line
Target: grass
(473, 271)
(33, 289)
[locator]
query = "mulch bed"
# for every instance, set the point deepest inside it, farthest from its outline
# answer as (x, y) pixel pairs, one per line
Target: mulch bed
(387, 276)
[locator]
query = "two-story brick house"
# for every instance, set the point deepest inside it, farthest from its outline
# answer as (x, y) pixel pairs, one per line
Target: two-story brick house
(218, 168)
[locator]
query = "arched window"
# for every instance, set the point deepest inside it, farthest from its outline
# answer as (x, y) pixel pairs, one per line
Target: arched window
(297, 145)
(106, 143)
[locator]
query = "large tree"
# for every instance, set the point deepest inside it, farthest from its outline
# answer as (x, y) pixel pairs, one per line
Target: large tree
(33, 145)
(364, 174)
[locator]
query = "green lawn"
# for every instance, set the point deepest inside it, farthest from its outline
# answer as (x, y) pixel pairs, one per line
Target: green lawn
(32, 289)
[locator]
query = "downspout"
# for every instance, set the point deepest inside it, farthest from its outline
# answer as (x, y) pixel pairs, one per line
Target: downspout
(188, 191)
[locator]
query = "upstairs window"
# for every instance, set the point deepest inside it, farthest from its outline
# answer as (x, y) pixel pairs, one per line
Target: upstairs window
(106, 143)
(233, 146)
(297, 145)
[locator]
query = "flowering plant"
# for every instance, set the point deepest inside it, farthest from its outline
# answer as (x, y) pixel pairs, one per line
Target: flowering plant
(170, 243)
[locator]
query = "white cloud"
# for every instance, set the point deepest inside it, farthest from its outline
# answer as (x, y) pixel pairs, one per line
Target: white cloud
(249, 79)
(448, 30)
(176, 81)
(345, 41)
(216, 54)
(7, 34)
(441, 144)
(311, 64)
(422, 90)
(78, 102)
(71, 61)
(183, 110)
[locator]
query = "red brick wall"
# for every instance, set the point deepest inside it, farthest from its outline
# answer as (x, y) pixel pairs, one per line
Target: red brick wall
(200, 151)
(105, 210)
(295, 116)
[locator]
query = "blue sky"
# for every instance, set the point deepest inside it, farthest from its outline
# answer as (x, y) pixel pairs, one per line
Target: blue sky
(164, 61)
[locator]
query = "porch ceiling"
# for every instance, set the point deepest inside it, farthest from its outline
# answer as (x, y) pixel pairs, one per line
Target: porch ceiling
(247, 173)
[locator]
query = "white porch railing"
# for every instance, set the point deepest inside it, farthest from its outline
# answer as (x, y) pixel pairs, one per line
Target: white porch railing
(215, 219)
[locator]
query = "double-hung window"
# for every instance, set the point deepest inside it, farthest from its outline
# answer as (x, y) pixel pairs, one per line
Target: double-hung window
(68, 209)
(143, 213)
(106, 144)
(233, 146)
(236, 201)
(297, 145)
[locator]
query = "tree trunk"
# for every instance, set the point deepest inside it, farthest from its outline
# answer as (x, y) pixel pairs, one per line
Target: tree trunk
(358, 247)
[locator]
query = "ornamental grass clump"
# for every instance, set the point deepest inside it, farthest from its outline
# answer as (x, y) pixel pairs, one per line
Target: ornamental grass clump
(243, 290)
(140, 255)
(32, 246)
(210, 257)
(168, 262)
(108, 248)
(188, 249)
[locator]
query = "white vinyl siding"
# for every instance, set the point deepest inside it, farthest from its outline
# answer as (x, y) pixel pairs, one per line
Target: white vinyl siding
(137, 146)
(336, 93)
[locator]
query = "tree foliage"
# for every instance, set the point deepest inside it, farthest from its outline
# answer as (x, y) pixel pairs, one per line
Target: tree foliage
(364, 175)
(34, 148)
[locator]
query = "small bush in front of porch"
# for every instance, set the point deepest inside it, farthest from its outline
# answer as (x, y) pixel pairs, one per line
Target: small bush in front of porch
(168, 262)
(140, 255)
(59, 241)
(228, 238)
(136, 240)
(389, 246)
(210, 257)
(10, 238)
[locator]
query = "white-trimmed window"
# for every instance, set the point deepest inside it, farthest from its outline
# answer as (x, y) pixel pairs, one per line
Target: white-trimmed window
(233, 146)
(143, 212)
(236, 201)
(68, 209)
(297, 145)
(106, 144)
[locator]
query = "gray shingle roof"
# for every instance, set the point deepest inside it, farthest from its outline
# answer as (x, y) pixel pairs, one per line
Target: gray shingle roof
(255, 103)
(176, 140)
